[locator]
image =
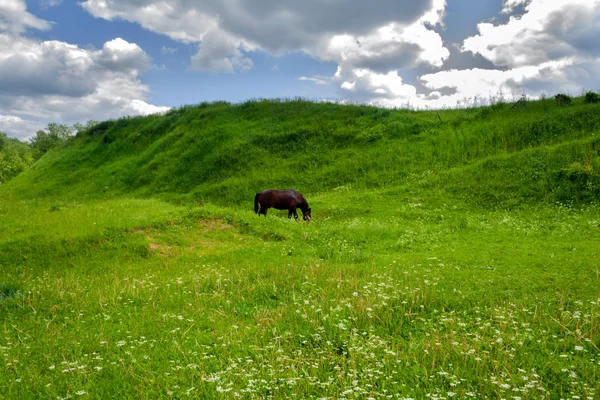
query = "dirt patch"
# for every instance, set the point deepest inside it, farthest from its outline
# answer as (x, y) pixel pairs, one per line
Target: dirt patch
(162, 249)
(208, 225)
(199, 239)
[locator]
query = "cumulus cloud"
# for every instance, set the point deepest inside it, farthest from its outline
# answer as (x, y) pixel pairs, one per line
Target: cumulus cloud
(486, 83)
(317, 80)
(387, 48)
(357, 34)
(366, 85)
(273, 25)
(17, 127)
(548, 30)
(57, 81)
(15, 19)
(369, 42)
(219, 53)
(368, 65)
(391, 53)
(118, 55)
(550, 47)
(510, 5)
(50, 3)
(168, 50)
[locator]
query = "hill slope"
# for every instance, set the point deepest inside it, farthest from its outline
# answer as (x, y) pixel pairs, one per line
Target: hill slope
(225, 153)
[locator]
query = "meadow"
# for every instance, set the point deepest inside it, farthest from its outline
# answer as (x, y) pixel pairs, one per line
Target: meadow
(452, 254)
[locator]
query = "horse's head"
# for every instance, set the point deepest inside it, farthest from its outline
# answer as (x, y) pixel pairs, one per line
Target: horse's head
(306, 216)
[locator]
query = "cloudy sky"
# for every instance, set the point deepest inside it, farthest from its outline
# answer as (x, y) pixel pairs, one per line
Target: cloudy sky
(70, 61)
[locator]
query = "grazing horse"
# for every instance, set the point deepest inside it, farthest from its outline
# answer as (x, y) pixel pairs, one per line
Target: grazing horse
(281, 200)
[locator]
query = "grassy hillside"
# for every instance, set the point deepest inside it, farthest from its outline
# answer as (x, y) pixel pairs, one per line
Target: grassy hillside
(452, 254)
(224, 153)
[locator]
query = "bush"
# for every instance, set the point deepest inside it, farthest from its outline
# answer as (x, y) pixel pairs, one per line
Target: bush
(45, 140)
(563, 99)
(15, 157)
(583, 180)
(591, 97)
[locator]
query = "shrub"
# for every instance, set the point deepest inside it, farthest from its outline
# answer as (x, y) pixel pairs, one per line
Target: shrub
(563, 99)
(15, 157)
(591, 97)
(583, 180)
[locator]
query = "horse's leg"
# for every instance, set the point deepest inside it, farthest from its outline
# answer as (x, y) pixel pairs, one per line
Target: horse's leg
(290, 213)
(263, 210)
(295, 213)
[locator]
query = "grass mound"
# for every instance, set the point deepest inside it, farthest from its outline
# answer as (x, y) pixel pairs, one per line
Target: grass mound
(225, 153)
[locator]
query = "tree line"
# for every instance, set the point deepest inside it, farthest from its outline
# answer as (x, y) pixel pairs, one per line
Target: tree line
(17, 156)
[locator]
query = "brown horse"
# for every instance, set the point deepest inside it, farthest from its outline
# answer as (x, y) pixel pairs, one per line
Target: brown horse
(281, 200)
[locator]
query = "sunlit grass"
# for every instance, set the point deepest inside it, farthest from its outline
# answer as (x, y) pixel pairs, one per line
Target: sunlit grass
(407, 300)
(449, 256)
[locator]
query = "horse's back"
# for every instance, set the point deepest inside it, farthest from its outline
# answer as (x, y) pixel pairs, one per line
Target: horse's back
(281, 199)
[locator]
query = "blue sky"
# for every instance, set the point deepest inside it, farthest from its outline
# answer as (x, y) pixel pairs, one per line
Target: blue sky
(171, 81)
(70, 61)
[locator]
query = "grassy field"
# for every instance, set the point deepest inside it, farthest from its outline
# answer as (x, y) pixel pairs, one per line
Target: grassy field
(452, 254)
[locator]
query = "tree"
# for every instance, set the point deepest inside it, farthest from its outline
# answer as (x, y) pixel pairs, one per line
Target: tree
(15, 157)
(54, 135)
(79, 128)
(563, 99)
(591, 97)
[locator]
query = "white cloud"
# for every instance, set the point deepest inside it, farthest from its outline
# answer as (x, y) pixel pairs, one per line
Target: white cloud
(387, 48)
(359, 34)
(15, 19)
(552, 47)
(548, 30)
(219, 53)
(50, 3)
(274, 26)
(510, 5)
(368, 65)
(484, 83)
(318, 80)
(18, 127)
(366, 84)
(57, 81)
(543, 46)
(168, 50)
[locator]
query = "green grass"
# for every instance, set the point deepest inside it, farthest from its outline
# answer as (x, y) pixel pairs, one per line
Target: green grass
(449, 259)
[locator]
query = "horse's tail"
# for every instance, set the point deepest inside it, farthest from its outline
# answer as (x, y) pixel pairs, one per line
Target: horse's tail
(256, 203)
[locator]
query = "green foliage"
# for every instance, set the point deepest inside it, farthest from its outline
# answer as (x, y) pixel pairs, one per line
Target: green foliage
(225, 153)
(15, 157)
(563, 99)
(54, 135)
(80, 129)
(583, 179)
(591, 97)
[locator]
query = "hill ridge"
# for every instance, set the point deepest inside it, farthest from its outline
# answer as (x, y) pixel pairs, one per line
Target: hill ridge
(225, 153)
